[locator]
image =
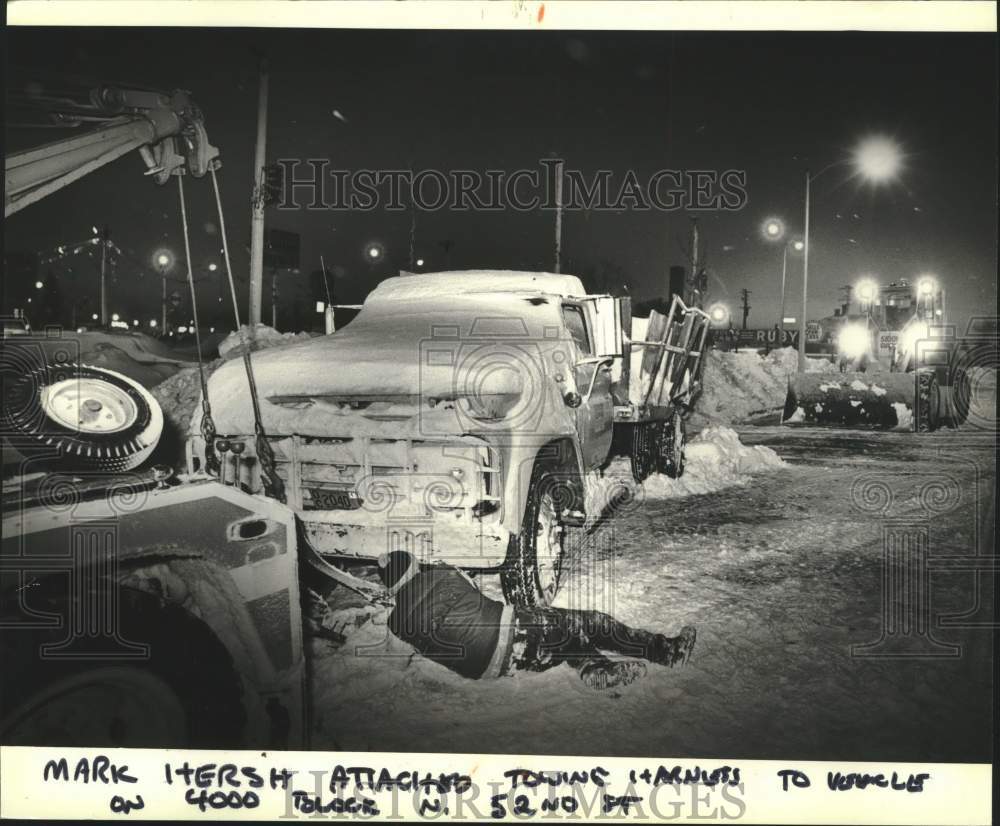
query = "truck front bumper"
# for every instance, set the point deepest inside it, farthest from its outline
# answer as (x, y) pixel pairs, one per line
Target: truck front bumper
(363, 534)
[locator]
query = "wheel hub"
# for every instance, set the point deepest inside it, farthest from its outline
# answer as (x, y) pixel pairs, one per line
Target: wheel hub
(89, 406)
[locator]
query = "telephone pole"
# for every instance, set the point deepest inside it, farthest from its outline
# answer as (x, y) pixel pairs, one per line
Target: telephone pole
(745, 296)
(559, 177)
(105, 234)
(259, 200)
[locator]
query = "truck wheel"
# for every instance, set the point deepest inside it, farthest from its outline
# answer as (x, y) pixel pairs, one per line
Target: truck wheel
(670, 456)
(186, 694)
(645, 439)
(94, 418)
(530, 576)
(927, 402)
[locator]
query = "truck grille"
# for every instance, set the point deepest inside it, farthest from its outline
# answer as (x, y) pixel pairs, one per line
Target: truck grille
(403, 478)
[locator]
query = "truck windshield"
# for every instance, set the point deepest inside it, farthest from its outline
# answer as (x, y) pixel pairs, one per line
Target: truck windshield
(573, 317)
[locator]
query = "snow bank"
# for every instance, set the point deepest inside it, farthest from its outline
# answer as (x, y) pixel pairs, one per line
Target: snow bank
(714, 459)
(180, 394)
(263, 337)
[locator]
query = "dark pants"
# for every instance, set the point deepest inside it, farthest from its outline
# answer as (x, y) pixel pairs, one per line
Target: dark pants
(546, 637)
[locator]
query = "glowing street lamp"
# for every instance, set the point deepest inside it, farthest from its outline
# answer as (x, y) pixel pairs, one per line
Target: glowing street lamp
(878, 159)
(796, 245)
(773, 229)
(718, 313)
(164, 261)
(866, 290)
(420, 262)
(39, 285)
(374, 252)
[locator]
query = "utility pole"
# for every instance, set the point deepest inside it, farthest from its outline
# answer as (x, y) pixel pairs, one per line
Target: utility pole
(163, 301)
(695, 292)
(105, 233)
(559, 183)
(745, 296)
(258, 200)
(805, 283)
(274, 298)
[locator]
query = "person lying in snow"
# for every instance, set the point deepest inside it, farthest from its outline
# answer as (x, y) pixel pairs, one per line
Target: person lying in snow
(440, 612)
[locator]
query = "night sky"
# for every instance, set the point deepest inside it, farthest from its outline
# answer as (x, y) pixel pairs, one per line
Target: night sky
(770, 104)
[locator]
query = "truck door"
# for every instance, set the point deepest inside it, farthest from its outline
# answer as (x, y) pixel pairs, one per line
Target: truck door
(594, 416)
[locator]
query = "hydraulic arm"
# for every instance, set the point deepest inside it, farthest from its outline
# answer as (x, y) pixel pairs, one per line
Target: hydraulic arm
(167, 129)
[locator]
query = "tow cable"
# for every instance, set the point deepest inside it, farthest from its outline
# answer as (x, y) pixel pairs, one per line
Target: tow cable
(273, 485)
(208, 431)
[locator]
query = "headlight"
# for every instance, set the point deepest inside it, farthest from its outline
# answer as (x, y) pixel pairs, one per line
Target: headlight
(853, 341)
(909, 337)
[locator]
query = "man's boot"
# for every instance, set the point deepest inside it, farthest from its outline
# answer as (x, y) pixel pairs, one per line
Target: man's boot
(600, 673)
(671, 651)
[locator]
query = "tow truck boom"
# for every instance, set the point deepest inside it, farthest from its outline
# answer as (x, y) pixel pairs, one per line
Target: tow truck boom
(155, 123)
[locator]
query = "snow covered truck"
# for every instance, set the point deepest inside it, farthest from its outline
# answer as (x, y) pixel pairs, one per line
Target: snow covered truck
(457, 417)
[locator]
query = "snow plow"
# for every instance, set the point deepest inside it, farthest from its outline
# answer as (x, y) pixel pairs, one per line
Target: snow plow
(898, 365)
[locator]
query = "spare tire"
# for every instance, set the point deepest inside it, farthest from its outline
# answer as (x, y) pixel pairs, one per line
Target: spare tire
(83, 417)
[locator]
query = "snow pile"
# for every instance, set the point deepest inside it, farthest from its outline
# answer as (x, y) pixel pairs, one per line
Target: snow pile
(262, 338)
(713, 460)
(818, 365)
(179, 395)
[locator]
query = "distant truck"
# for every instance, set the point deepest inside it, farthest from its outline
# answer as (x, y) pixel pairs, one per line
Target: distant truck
(458, 415)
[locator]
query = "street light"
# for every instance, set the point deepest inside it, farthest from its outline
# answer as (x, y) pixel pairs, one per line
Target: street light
(866, 290)
(374, 252)
(38, 285)
(877, 159)
(164, 261)
(718, 313)
(420, 262)
(796, 245)
(773, 229)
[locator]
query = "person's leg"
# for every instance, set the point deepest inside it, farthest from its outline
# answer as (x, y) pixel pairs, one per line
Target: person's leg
(546, 637)
(606, 633)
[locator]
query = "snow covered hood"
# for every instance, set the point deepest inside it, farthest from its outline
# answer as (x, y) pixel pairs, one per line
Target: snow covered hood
(396, 352)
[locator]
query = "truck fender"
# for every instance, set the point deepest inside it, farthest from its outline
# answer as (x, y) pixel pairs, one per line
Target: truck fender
(562, 457)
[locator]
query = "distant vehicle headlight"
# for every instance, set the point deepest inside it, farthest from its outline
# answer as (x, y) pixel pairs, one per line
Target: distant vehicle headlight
(912, 334)
(853, 341)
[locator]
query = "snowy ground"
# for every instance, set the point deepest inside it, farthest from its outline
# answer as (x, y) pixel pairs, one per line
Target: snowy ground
(778, 563)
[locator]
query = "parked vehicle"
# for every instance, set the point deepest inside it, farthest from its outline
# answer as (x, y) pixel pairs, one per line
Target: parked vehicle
(458, 415)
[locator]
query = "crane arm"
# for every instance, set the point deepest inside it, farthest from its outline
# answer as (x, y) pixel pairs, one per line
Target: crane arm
(152, 122)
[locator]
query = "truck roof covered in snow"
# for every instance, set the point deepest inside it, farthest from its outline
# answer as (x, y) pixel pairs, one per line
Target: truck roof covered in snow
(441, 284)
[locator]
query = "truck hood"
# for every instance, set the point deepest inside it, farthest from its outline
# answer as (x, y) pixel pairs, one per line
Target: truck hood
(386, 369)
